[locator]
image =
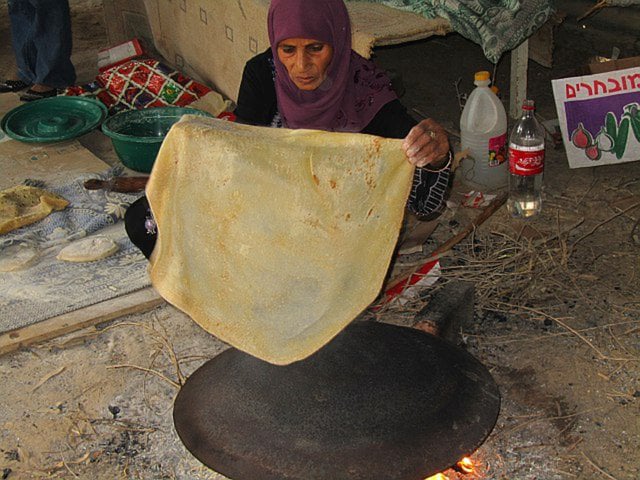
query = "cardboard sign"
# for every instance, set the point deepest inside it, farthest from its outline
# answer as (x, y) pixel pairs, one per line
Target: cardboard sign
(599, 117)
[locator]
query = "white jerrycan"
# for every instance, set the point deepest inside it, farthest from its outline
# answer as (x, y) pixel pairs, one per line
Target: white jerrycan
(483, 133)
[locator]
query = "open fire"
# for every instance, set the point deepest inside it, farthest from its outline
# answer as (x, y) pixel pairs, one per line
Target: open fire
(464, 466)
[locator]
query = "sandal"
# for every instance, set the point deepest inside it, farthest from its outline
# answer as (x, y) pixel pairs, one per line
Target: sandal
(12, 86)
(31, 95)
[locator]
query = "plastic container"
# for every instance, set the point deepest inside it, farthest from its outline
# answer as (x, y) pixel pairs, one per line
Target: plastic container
(526, 164)
(483, 132)
(137, 134)
(54, 119)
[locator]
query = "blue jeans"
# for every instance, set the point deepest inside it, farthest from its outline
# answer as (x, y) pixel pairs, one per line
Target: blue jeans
(41, 33)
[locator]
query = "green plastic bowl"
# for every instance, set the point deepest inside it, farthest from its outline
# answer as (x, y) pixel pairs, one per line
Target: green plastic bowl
(137, 134)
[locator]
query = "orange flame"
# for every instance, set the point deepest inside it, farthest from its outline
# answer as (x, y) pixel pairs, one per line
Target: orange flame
(466, 465)
(438, 476)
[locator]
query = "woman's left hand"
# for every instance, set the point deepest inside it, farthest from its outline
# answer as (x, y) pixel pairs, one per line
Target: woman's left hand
(427, 144)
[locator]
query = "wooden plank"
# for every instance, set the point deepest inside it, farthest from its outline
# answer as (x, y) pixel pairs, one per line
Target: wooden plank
(137, 302)
(541, 43)
(519, 68)
(541, 46)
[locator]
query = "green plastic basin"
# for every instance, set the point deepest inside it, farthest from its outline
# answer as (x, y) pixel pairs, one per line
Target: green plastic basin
(137, 134)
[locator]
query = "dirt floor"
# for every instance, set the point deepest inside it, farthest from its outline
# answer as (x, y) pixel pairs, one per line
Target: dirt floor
(556, 313)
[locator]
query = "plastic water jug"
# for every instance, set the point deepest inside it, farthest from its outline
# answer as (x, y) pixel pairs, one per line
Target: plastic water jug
(483, 133)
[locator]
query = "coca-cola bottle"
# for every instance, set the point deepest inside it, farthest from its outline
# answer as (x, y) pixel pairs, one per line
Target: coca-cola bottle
(526, 164)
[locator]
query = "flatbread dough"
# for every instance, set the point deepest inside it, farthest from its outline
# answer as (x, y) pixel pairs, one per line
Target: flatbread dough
(88, 249)
(17, 257)
(24, 205)
(273, 239)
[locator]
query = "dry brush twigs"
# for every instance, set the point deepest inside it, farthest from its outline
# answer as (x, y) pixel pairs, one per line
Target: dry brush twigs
(508, 272)
(540, 418)
(147, 370)
(604, 222)
(530, 275)
(597, 468)
(164, 345)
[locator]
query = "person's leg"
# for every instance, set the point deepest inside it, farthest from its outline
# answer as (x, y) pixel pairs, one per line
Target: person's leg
(21, 15)
(51, 37)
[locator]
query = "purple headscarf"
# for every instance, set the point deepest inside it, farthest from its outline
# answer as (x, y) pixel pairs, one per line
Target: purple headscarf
(354, 89)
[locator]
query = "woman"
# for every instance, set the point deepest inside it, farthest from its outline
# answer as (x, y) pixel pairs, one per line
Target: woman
(310, 78)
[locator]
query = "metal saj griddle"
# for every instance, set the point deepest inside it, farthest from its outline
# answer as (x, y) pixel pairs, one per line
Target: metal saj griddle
(378, 402)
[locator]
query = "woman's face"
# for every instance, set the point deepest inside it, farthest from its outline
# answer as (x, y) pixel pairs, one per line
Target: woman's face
(306, 60)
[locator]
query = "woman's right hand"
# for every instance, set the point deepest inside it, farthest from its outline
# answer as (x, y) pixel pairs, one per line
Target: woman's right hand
(427, 144)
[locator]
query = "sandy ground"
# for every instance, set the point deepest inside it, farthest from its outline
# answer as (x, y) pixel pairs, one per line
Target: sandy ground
(556, 318)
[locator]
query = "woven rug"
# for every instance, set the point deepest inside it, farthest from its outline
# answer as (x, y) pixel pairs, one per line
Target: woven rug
(49, 287)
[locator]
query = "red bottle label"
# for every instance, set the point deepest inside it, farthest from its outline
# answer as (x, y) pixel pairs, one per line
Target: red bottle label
(497, 147)
(526, 161)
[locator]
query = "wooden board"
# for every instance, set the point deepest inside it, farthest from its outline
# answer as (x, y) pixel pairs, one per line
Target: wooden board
(541, 42)
(136, 302)
(51, 162)
(9, 101)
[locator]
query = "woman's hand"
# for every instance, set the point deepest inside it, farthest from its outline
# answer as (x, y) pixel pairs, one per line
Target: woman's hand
(427, 144)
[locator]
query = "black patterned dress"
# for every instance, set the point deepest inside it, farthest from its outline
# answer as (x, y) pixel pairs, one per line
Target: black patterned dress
(257, 105)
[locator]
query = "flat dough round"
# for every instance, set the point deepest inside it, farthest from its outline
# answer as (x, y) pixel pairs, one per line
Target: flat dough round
(17, 257)
(292, 240)
(88, 249)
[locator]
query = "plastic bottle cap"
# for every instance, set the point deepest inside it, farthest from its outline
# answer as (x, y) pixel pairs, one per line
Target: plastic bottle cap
(482, 76)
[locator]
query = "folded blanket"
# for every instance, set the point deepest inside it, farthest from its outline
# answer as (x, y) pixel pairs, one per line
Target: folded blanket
(497, 25)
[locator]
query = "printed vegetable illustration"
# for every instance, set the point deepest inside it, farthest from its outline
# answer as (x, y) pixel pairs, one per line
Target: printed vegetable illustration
(604, 141)
(619, 133)
(592, 152)
(632, 111)
(611, 125)
(621, 140)
(612, 136)
(581, 137)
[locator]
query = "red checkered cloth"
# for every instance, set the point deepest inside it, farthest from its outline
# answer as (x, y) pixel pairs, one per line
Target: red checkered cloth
(141, 83)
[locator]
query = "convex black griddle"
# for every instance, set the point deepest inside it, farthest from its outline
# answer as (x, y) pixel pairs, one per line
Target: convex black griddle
(378, 402)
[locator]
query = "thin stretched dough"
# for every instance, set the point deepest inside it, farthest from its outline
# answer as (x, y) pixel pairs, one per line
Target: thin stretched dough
(273, 240)
(17, 257)
(88, 249)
